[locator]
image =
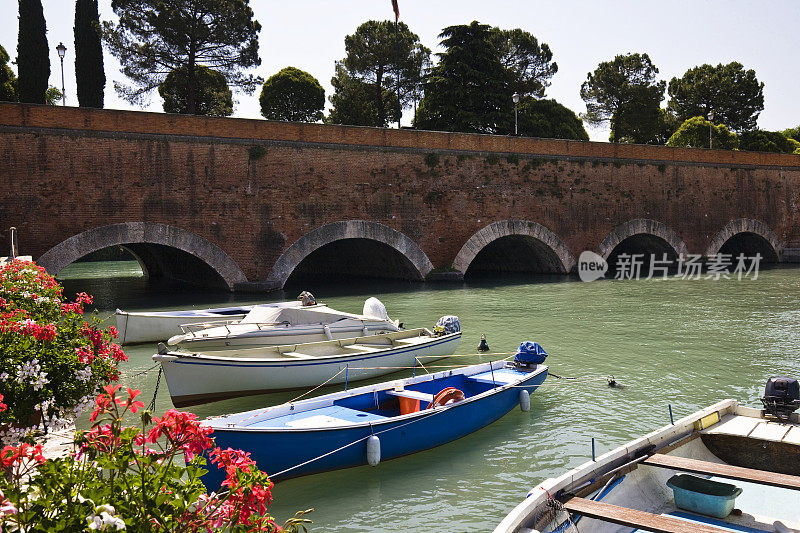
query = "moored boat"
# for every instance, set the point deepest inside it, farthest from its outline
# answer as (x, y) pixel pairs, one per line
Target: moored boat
(195, 378)
(724, 468)
(264, 326)
(374, 423)
(153, 326)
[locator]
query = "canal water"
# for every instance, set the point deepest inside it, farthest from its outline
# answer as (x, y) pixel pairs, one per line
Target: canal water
(684, 343)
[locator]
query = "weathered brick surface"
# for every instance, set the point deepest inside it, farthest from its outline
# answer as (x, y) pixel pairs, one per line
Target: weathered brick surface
(65, 171)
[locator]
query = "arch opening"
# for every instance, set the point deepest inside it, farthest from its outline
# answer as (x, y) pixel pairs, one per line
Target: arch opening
(155, 264)
(353, 258)
(165, 252)
(640, 252)
(515, 255)
(749, 244)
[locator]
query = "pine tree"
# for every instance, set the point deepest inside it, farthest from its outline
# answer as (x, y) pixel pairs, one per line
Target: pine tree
(89, 73)
(33, 60)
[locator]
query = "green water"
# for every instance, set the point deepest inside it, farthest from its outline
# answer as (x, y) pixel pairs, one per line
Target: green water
(684, 343)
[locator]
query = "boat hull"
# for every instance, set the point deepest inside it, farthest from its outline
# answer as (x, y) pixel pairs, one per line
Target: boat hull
(194, 380)
(135, 328)
(275, 451)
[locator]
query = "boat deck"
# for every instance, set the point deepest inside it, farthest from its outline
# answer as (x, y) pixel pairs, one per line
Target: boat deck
(746, 426)
(331, 416)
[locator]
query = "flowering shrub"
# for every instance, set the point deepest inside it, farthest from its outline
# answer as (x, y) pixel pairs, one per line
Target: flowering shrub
(53, 358)
(125, 478)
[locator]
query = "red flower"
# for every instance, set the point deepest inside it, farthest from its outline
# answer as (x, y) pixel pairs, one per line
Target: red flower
(132, 404)
(3, 406)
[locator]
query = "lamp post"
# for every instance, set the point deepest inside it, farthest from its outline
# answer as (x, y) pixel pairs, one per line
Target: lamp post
(710, 127)
(515, 98)
(62, 50)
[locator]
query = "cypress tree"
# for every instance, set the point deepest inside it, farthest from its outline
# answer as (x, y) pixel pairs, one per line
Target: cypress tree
(89, 73)
(33, 60)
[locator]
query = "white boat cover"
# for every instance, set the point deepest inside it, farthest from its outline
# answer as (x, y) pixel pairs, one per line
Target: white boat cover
(295, 316)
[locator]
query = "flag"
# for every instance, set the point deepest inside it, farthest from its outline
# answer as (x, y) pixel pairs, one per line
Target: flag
(396, 10)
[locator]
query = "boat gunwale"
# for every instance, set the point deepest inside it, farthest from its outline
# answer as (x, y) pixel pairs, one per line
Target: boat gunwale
(483, 367)
(238, 361)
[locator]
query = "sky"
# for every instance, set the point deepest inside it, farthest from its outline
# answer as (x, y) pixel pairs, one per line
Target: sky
(677, 35)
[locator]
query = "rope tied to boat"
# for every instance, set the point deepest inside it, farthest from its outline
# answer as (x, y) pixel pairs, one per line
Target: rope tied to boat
(152, 406)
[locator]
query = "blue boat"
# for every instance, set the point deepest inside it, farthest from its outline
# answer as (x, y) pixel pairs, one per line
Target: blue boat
(377, 422)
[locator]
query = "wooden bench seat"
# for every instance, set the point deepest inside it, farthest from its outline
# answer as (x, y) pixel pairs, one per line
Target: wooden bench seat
(634, 518)
(724, 470)
(414, 395)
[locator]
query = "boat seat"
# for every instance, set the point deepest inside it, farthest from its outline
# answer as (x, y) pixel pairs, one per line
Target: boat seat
(414, 395)
(365, 349)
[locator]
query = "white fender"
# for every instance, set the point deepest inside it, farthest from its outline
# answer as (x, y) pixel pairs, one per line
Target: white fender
(373, 450)
(524, 400)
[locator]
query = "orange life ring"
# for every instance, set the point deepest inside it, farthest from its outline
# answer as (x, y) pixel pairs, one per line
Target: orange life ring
(446, 395)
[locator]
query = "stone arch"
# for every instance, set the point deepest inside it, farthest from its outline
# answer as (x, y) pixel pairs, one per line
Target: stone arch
(642, 226)
(511, 228)
(744, 226)
(143, 233)
(349, 229)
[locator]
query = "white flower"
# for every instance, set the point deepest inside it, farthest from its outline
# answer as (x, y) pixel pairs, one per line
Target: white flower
(84, 375)
(4, 376)
(105, 521)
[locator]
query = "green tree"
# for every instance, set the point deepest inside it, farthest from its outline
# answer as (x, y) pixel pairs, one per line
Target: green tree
(530, 63)
(792, 133)
(549, 119)
(89, 74)
(625, 93)
(469, 89)
(154, 38)
(292, 95)
(8, 80)
(33, 59)
(212, 95)
(372, 59)
(693, 133)
(53, 96)
(765, 141)
(733, 94)
(353, 102)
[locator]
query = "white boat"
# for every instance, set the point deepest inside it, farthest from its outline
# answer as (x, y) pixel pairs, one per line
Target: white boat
(265, 326)
(724, 468)
(154, 326)
(195, 378)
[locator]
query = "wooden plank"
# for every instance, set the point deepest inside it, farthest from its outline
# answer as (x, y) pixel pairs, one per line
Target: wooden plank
(683, 464)
(414, 395)
(633, 518)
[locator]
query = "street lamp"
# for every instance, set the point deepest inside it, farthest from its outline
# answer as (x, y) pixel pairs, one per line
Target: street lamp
(710, 127)
(515, 97)
(62, 50)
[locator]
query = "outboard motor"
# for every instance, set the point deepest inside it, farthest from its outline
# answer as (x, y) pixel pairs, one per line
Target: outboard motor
(529, 354)
(781, 397)
(446, 325)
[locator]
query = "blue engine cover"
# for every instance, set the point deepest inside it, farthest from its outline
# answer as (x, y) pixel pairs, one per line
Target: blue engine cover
(530, 353)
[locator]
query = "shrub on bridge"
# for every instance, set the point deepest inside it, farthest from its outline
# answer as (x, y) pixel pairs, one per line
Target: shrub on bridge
(53, 358)
(693, 133)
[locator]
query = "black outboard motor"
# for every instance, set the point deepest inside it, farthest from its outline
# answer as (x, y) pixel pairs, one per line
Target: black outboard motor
(781, 397)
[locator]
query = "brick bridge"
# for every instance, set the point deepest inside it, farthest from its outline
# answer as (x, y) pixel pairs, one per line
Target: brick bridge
(249, 204)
